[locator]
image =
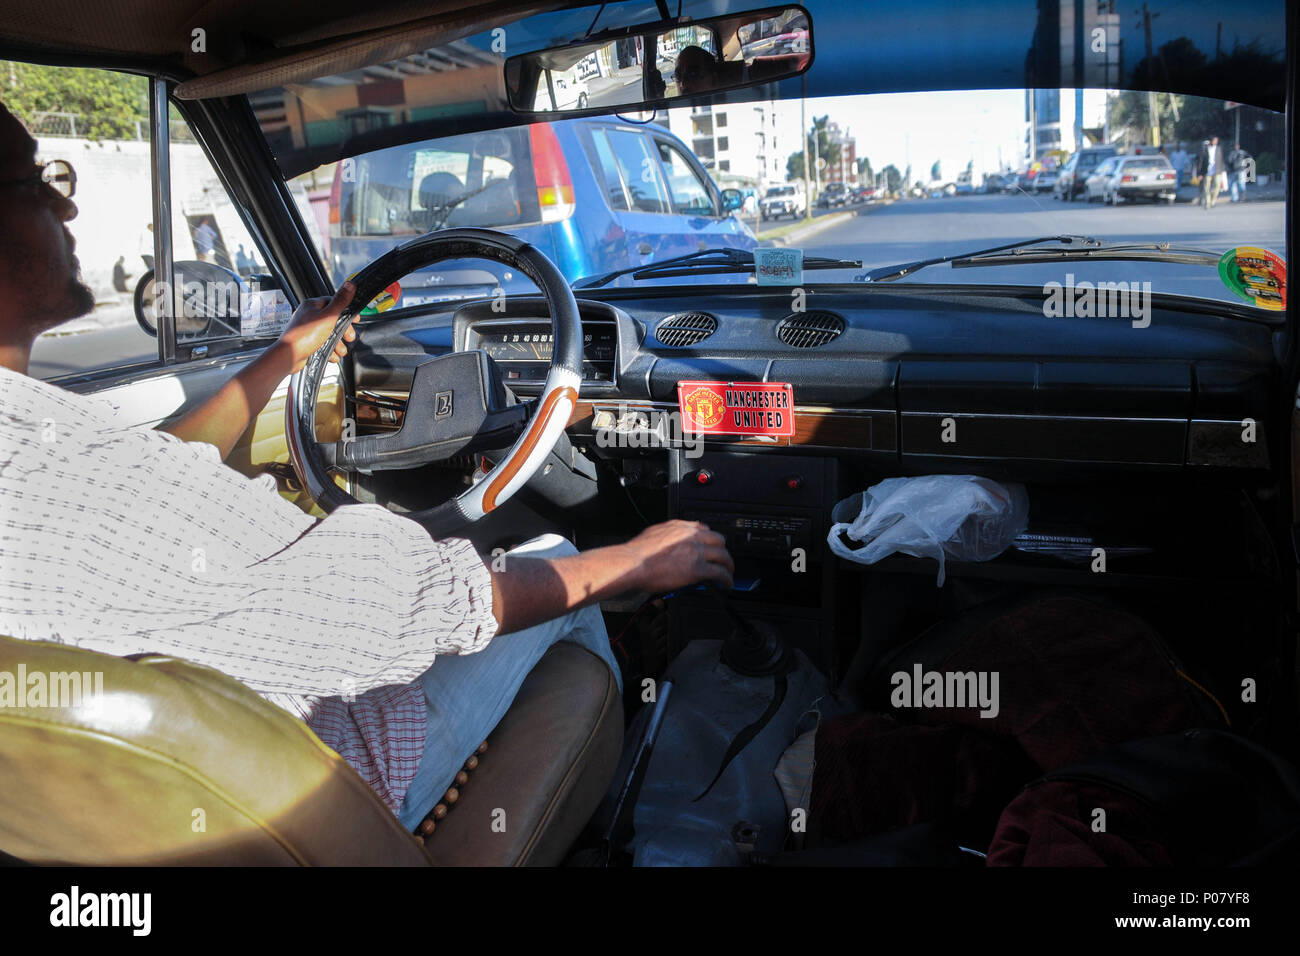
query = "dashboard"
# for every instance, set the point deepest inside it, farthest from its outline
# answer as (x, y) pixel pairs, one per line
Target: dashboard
(914, 377)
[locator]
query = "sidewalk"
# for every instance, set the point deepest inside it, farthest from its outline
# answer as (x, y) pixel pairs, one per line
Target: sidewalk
(1272, 191)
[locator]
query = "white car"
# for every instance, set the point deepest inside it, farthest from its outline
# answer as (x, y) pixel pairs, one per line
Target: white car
(570, 92)
(786, 199)
(1124, 178)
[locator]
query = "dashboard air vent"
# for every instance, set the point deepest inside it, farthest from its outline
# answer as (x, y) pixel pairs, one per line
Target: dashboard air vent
(808, 330)
(686, 329)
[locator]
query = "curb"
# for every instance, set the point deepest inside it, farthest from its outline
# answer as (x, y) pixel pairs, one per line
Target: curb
(821, 223)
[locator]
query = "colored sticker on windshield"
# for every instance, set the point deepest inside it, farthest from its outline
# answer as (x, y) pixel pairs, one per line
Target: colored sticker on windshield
(384, 301)
(737, 408)
(779, 266)
(1255, 274)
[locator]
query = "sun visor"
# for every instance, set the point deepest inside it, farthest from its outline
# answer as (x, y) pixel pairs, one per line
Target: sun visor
(322, 58)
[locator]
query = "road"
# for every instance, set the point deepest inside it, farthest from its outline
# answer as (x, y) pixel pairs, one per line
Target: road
(922, 228)
(902, 232)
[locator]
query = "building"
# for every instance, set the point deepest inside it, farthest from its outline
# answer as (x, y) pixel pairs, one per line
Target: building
(739, 143)
(845, 170)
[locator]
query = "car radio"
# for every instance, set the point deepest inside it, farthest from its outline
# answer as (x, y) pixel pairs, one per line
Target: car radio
(758, 535)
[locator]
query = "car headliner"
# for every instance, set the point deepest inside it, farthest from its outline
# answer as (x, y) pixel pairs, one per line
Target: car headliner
(263, 45)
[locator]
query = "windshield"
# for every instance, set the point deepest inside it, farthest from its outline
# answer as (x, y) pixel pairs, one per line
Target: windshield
(884, 178)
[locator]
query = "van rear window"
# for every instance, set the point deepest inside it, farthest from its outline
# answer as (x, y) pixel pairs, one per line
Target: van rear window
(479, 179)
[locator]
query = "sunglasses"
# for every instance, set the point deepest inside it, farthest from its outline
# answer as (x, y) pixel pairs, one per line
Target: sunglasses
(57, 174)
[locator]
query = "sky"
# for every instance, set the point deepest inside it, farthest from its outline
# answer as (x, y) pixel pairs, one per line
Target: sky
(953, 127)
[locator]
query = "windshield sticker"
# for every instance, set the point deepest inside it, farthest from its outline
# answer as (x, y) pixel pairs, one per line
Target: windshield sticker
(779, 266)
(737, 408)
(1255, 274)
(263, 313)
(385, 300)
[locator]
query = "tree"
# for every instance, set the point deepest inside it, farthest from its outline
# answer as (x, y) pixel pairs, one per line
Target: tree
(823, 149)
(893, 178)
(865, 173)
(106, 104)
(794, 167)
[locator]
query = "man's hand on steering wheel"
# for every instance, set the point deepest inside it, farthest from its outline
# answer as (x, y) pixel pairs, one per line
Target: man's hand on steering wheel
(313, 323)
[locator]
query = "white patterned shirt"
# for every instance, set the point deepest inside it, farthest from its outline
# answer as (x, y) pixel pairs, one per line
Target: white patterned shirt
(123, 539)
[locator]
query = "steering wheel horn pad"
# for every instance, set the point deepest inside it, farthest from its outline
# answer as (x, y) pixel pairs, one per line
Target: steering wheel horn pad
(450, 393)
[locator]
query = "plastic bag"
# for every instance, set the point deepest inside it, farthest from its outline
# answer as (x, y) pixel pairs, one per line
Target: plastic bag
(963, 517)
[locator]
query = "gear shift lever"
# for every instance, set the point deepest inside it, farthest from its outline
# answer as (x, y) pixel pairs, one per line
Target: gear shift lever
(753, 648)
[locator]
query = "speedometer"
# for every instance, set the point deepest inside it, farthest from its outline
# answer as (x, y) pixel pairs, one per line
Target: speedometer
(523, 349)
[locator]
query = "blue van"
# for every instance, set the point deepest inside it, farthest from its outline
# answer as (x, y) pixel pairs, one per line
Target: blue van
(594, 194)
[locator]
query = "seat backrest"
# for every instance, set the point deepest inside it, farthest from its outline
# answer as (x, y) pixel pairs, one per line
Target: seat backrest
(155, 760)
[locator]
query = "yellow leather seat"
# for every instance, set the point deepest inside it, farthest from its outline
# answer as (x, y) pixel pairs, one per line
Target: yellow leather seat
(179, 764)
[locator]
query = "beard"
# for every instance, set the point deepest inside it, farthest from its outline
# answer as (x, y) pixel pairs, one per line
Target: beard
(75, 300)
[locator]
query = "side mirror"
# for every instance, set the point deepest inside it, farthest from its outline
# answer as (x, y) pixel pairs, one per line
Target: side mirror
(205, 301)
(732, 199)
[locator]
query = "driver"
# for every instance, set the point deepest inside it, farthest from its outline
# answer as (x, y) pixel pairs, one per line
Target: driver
(695, 71)
(399, 651)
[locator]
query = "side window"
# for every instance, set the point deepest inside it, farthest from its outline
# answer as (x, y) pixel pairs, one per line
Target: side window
(639, 169)
(607, 166)
(97, 121)
(223, 289)
(689, 194)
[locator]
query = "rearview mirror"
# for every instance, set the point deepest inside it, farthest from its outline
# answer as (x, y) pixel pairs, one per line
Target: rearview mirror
(648, 66)
(732, 199)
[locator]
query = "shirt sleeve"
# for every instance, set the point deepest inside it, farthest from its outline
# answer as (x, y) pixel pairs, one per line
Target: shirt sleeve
(362, 600)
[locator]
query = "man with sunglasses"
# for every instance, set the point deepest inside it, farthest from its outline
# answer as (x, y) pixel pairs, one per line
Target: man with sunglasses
(99, 521)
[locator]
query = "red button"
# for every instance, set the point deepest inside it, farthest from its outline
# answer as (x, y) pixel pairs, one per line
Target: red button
(703, 476)
(794, 482)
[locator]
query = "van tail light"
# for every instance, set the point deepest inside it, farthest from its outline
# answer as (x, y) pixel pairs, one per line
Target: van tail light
(336, 191)
(554, 185)
(1128, 179)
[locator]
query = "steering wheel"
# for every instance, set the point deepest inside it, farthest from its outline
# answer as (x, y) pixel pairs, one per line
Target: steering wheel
(458, 402)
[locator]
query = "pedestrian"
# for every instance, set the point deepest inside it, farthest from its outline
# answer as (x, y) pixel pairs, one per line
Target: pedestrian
(1179, 160)
(205, 241)
(1240, 166)
(120, 275)
(145, 245)
(1210, 165)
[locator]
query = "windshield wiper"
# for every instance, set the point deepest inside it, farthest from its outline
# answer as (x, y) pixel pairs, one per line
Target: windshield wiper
(706, 262)
(1154, 251)
(441, 212)
(888, 273)
(1020, 253)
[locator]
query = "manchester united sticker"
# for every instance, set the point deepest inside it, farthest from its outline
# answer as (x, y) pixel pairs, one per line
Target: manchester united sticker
(737, 408)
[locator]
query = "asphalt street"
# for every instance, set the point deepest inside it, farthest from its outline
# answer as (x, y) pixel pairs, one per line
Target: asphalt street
(905, 231)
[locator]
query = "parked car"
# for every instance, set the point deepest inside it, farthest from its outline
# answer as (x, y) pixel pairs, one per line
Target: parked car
(835, 194)
(575, 188)
(570, 91)
(786, 199)
(1123, 178)
(1073, 175)
(1045, 180)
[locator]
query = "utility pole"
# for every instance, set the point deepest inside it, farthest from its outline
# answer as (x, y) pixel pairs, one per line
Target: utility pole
(817, 162)
(1153, 112)
(803, 126)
